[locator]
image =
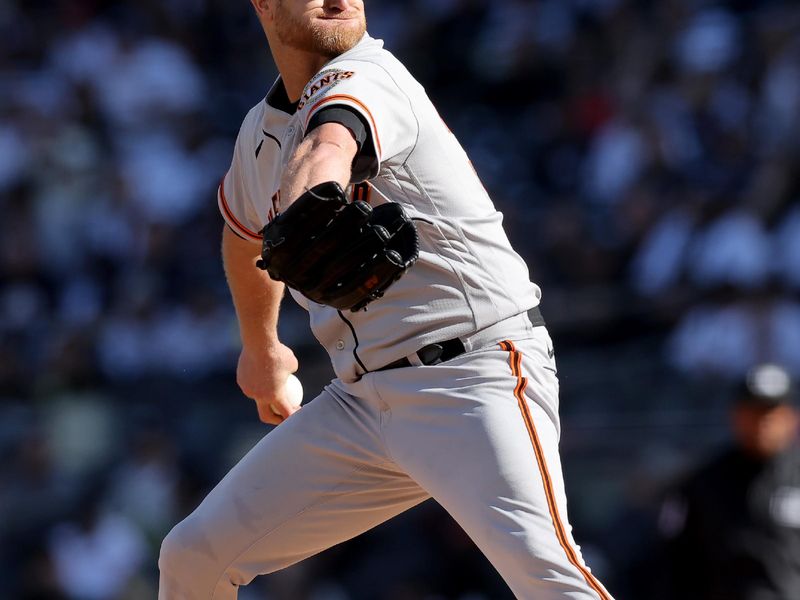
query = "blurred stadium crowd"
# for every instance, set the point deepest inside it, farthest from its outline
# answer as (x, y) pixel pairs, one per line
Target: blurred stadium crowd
(645, 155)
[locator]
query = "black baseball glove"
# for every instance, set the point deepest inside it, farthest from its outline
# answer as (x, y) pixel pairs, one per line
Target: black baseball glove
(337, 253)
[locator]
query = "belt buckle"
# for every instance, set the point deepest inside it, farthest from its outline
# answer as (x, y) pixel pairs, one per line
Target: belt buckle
(431, 354)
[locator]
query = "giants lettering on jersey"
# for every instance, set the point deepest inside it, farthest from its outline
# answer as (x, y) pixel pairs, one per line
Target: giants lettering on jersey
(328, 78)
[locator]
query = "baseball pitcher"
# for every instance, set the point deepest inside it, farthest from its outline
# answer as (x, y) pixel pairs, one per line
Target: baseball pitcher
(347, 188)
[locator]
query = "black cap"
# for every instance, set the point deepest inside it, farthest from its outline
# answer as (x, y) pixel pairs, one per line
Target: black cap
(766, 385)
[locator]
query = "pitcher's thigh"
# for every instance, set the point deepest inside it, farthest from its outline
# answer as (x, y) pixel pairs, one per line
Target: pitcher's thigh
(488, 452)
(314, 481)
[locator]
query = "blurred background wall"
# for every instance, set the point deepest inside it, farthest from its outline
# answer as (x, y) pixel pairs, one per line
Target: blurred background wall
(645, 155)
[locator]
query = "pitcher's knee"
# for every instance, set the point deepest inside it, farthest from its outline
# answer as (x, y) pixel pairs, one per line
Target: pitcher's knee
(193, 567)
(170, 551)
(177, 559)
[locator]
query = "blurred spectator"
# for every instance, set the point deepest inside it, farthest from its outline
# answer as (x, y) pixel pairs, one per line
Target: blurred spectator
(97, 552)
(730, 336)
(733, 529)
(33, 491)
(144, 486)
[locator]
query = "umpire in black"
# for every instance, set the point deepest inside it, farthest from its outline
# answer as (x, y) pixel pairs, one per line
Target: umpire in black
(733, 529)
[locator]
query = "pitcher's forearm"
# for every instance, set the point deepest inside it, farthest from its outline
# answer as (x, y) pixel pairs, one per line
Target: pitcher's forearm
(256, 297)
(326, 154)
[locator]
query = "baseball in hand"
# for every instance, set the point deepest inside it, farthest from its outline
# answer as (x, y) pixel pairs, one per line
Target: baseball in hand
(294, 390)
(294, 393)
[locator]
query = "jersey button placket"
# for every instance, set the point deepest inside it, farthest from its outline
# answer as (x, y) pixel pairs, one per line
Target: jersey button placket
(340, 345)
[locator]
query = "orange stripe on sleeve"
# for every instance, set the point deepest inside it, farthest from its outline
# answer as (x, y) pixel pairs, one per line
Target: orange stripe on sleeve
(515, 362)
(358, 103)
(231, 218)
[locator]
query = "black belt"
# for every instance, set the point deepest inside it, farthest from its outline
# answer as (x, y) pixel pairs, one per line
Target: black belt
(433, 354)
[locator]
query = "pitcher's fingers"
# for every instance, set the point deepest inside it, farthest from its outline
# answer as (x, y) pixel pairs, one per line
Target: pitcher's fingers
(283, 408)
(268, 414)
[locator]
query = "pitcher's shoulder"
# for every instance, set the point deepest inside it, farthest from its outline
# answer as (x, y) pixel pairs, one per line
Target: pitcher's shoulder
(252, 119)
(370, 50)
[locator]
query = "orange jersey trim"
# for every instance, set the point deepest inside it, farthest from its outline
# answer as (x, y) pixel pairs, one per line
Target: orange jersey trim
(515, 361)
(358, 103)
(231, 218)
(362, 191)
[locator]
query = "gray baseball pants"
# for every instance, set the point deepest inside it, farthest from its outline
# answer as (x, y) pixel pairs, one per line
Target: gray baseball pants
(478, 433)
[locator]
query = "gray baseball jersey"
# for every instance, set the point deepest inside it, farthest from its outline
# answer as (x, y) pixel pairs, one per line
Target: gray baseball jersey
(467, 277)
(478, 432)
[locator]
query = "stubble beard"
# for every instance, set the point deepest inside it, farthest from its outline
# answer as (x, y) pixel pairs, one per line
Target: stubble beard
(315, 38)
